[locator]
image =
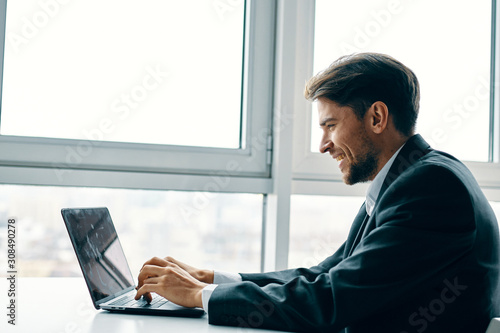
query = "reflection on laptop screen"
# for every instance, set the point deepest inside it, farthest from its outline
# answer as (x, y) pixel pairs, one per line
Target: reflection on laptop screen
(99, 251)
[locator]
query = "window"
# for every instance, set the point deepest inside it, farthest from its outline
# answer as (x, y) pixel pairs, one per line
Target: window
(135, 80)
(496, 208)
(319, 225)
(104, 102)
(167, 88)
(218, 230)
(452, 61)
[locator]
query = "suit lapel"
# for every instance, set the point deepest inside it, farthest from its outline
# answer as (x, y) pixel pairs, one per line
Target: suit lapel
(356, 231)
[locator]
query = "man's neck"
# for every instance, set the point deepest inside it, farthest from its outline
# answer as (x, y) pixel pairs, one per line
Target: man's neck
(388, 149)
(374, 188)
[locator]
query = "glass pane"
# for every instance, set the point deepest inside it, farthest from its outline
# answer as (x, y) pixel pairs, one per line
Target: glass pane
(496, 208)
(331, 216)
(450, 58)
(212, 230)
(147, 71)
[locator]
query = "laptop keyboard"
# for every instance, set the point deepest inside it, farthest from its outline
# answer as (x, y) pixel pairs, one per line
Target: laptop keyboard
(129, 301)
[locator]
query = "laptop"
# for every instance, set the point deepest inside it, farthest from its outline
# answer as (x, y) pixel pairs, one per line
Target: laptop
(105, 268)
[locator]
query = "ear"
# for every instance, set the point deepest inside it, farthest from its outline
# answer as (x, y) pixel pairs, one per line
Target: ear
(377, 117)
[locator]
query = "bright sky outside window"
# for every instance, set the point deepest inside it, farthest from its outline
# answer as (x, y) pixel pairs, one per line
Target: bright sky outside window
(446, 43)
(309, 246)
(218, 230)
(149, 71)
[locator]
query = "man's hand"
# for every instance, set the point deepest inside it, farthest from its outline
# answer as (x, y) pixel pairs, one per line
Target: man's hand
(177, 282)
(203, 275)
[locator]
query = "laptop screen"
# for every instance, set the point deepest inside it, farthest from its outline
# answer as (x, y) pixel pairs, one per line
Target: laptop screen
(99, 251)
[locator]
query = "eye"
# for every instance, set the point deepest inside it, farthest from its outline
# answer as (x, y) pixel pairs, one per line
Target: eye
(331, 127)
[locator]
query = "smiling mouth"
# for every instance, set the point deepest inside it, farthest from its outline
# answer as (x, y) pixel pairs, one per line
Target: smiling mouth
(340, 157)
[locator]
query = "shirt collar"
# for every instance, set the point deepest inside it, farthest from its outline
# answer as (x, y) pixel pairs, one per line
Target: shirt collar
(374, 188)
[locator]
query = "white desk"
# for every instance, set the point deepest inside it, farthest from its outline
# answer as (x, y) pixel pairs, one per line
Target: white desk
(63, 305)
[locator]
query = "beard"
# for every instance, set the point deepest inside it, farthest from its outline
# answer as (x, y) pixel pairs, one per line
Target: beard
(365, 167)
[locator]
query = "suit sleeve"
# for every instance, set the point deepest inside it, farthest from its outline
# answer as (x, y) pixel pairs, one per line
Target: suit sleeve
(424, 225)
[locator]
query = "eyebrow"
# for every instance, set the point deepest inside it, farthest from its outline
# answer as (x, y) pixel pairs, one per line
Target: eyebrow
(325, 120)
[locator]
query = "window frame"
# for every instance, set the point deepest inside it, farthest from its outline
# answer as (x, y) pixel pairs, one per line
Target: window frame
(315, 174)
(52, 161)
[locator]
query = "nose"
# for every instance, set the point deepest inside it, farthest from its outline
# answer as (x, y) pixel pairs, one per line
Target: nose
(325, 145)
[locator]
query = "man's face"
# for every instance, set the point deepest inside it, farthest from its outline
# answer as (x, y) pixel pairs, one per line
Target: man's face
(346, 139)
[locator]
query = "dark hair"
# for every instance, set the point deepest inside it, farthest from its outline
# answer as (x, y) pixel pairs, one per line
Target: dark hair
(361, 79)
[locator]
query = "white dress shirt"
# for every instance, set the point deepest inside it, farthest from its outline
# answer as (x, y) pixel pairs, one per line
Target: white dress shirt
(376, 185)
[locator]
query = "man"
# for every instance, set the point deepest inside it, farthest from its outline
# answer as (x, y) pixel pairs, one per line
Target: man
(422, 254)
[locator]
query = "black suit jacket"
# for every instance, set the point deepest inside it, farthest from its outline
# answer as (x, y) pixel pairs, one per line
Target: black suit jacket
(426, 260)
